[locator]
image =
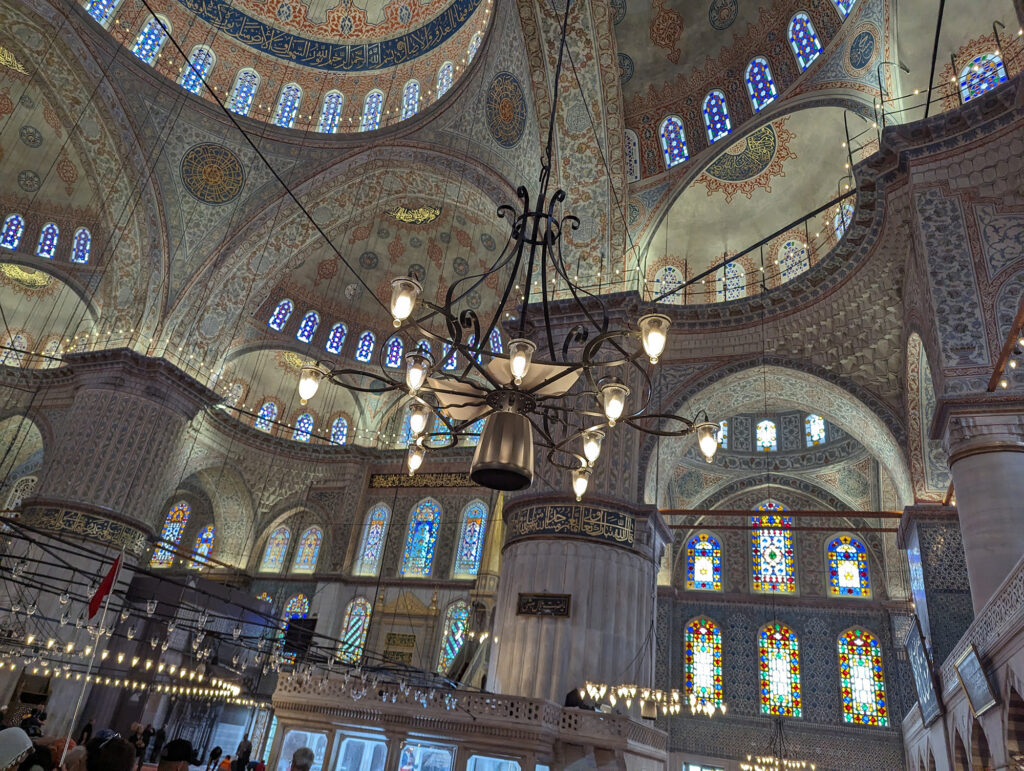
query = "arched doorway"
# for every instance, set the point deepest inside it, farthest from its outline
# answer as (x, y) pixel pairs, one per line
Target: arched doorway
(981, 758)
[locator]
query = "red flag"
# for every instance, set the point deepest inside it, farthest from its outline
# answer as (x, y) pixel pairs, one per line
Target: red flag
(105, 587)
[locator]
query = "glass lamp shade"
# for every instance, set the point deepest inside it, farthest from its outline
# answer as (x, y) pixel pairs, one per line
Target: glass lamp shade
(654, 334)
(613, 399)
(417, 366)
(520, 354)
(707, 439)
(404, 293)
(415, 457)
(580, 480)
(592, 445)
(309, 382)
(504, 457)
(419, 413)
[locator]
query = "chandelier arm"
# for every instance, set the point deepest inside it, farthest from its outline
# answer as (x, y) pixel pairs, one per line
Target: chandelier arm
(634, 422)
(388, 384)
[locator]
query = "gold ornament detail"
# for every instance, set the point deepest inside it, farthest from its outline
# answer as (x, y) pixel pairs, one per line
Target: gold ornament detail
(441, 479)
(420, 216)
(7, 59)
(32, 279)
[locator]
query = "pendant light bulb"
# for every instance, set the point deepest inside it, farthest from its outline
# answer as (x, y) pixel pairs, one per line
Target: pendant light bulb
(613, 398)
(592, 439)
(404, 293)
(309, 382)
(520, 354)
(417, 366)
(654, 334)
(580, 480)
(707, 439)
(415, 457)
(418, 415)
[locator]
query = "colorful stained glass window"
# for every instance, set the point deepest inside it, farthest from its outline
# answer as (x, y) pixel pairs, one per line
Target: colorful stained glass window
(364, 350)
(330, 115)
(704, 563)
(632, 155)
(668, 279)
(723, 434)
(716, 116)
(47, 245)
(439, 434)
(471, 540)
(814, 429)
(842, 220)
(375, 531)
(444, 78)
(792, 260)
(702, 663)
(456, 622)
(170, 535)
(280, 315)
(266, 416)
(308, 326)
(673, 141)
(296, 607)
(848, 568)
(14, 352)
(732, 282)
(780, 671)
(771, 554)
(200, 62)
(264, 597)
(474, 46)
(495, 342)
(151, 39)
(339, 431)
(424, 347)
(308, 550)
(14, 228)
(405, 435)
(410, 99)
(984, 73)
(862, 679)
(102, 10)
(243, 92)
(393, 353)
(337, 338)
(288, 105)
(760, 84)
(844, 7)
(418, 558)
(804, 40)
(472, 347)
(273, 553)
(451, 358)
(354, 627)
(81, 245)
(372, 109)
(475, 430)
(303, 428)
(767, 440)
(203, 549)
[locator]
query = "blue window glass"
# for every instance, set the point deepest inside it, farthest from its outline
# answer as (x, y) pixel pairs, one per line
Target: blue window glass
(288, 105)
(673, 141)
(203, 548)
(303, 428)
(170, 535)
(393, 353)
(47, 245)
(200, 62)
(760, 84)
(337, 338)
(102, 10)
(848, 568)
(330, 115)
(424, 347)
(723, 434)
(80, 246)
(266, 416)
(451, 360)
(280, 315)
(444, 78)
(372, 109)
(844, 7)
(274, 551)
(814, 429)
(496, 346)
(981, 75)
(14, 229)
(476, 428)
(772, 564)
(767, 439)
(374, 533)
(243, 92)
(472, 347)
(804, 40)
(308, 326)
(150, 40)
(470, 546)
(354, 627)
(668, 279)
(296, 607)
(792, 260)
(704, 563)
(308, 551)
(474, 46)
(410, 99)
(418, 558)
(405, 435)
(631, 145)
(716, 116)
(456, 622)
(339, 431)
(732, 283)
(842, 220)
(364, 350)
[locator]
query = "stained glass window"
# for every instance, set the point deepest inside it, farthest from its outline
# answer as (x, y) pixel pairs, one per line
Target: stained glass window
(632, 154)
(704, 563)
(451, 358)
(337, 338)
(844, 7)
(456, 621)
(288, 105)
(102, 10)
(330, 115)
(472, 347)
(243, 92)
(673, 141)
(842, 220)
(495, 342)
(170, 535)
(444, 78)
(766, 436)
(723, 434)
(151, 39)
(471, 540)
(771, 554)
(474, 46)
(372, 109)
(354, 627)
(308, 551)
(47, 245)
(780, 671)
(405, 435)
(702, 662)
(266, 416)
(410, 99)
(804, 40)
(364, 350)
(308, 326)
(265, 597)
(668, 279)
(296, 607)
(203, 549)
(716, 116)
(81, 245)
(14, 228)
(732, 282)
(418, 558)
(814, 429)
(280, 315)
(475, 430)
(760, 84)
(200, 62)
(374, 533)
(51, 353)
(303, 428)
(424, 347)
(13, 354)
(792, 260)
(339, 431)
(393, 353)
(848, 568)
(981, 75)
(273, 553)
(862, 679)
(234, 393)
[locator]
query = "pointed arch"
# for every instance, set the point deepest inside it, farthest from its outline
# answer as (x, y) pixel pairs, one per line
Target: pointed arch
(13, 230)
(702, 664)
(203, 548)
(496, 344)
(151, 39)
(771, 553)
(410, 99)
(982, 74)
(364, 350)
(296, 607)
(170, 535)
(456, 623)
(48, 236)
(354, 628)
(308, 327)
(336, 339)
(339, 430)
(779, 650)
(103, 10)
(844, 7)
(266, 416)
(793, 259)
(371, 549)
(280, 316)
(731, 283)
(716, 116)
(303, 431)
(862, 679)
(444, 78)
(632, 155)
(474, 46)
(393, 353)
(673, 141)
(330, 113)
(421, 539)
(308, 550)
(247, 83)
(981, 755)
(200, 62)
(1014, 722)
(274, 551)
(469, 548)
(847, 563)
(704, 563)
(668, 279)
(373, 108)
(20, 490)
(15, 349)
(760, 83)
(803, 40)
(81, 245)
(288, 105)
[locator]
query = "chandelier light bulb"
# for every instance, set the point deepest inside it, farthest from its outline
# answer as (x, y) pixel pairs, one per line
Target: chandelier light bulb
(654, 334)
(520, 354)
(417, 365)
(415, 458)
(418, 414)
(580, 480)
(707, 439)
(592, 445)
(309, 382)
(404, 292)
(613, 399)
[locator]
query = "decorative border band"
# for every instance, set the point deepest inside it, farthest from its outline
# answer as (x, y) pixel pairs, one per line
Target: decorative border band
(105, 531)
(571, 519)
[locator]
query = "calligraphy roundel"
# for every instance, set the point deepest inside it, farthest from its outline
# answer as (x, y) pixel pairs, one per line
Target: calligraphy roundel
(506, 109)
(746, 158)
(862, 48)
(211, 173)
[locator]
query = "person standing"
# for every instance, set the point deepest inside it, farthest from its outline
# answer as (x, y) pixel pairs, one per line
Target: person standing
(86, 733)
(302, 759)
(147, 734)
(242, 754)
(158, 744)
(215, 754)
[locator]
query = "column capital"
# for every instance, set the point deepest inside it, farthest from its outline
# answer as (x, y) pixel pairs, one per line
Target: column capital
(972, 426)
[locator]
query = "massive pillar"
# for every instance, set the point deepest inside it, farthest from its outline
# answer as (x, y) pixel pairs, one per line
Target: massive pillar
(577, 596)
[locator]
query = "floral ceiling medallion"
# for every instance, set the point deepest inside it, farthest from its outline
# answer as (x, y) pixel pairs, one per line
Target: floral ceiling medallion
(750, 163)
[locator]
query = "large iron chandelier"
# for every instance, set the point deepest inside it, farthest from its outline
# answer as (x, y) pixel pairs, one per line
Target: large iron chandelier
(564, 399)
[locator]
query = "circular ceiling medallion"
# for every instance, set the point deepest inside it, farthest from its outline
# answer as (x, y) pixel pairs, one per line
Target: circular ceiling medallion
(506, 109)
(29, 181)
(746, 158)
(625, 68)
(722, 13)
(211, 173)
(862, 49)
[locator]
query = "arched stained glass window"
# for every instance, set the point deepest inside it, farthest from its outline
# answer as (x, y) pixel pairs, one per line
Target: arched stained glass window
(792, 260)
(844, 7)
(444, 78)
(203, 549)
(393, 353)
(264, 597)
(632, 154)
(862, 679)
(842, 220)
(766, 436)
(760, 84)
(339, 431)
(716, 116)
(848, 568)
(673, 141)
(474, 46)
(81, 245)
(51, 353)
(456, 622)
(273, 553)
(814, 429)
(732, 282)
(418, 558)
(170, 535)
(668, 279)
(364, 350)
(374, 533)
(702, 663)
(280, 315)
(337, 338)
(308, 550)
(14, 228)
(439, 433)
(303, 428)
(704, 563)
(354, 627)
(723, 434)
(266, 416)
(47, 245)
(234, 393)
(410, 99)
(780, 671)
(296, 607)
(15, 350)
(151, 39)
(308, 326)
(495, 342)
(804, 40)
(372, 109)
(471, 540)
(475, 430)
(771, 554)
(288, 105)
(103, 10)
(472, 347)
(330, 114)
(405, 435)
(451, 358)
(247, 81)
(200, 62)
(984, 73)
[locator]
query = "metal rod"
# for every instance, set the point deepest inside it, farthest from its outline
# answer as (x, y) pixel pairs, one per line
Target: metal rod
(803, 513)
(956, 80)
(793, 528)
(935, 54)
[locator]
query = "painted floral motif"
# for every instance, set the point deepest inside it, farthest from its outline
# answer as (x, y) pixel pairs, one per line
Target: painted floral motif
(666, 29)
